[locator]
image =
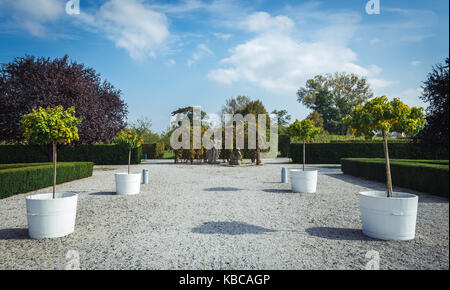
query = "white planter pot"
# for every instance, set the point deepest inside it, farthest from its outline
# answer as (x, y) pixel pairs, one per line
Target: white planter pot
(303, 181)
(51, 218)
(388, 218)
(128, 183)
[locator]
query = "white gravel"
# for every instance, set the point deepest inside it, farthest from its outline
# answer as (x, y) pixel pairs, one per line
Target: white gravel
(221, 217)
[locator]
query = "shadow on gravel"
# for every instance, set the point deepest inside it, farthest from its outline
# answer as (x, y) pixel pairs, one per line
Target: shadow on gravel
(103, 193)
(230, 228)
(278, 190)
(338, 234)
(357, 181)
(222, 189)
(14, 234)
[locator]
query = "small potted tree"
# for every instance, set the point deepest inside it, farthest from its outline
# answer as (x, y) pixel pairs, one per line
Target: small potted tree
(387, 215)
(128, 183)
(304, 181)
(51, 215)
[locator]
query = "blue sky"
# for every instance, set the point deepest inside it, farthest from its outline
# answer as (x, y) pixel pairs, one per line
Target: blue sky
(167, 54)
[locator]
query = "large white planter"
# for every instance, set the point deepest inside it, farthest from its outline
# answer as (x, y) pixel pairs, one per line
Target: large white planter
(51, 218)
(128, 183)
(303, 181)
(388, 218)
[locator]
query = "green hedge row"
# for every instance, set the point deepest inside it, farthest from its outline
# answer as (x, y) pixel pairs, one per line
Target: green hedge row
(154, 150)
(99, 154)
(22, 178)
(421, 175)
(331, 153)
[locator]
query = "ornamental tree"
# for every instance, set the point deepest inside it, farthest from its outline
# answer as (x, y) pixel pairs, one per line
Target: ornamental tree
(305, 131)
(129, 139)
(50, 126)
(382, 115)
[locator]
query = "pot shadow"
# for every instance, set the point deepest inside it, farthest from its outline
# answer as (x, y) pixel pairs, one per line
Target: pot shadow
(103, 193)
(14, 234)
(230, 228)
(222, 189)
(343, 234)
(276, 190)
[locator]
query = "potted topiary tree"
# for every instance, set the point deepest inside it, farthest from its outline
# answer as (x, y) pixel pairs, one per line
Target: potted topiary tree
(51, 215)
(387, 215)
(304, 181)
(128, 183)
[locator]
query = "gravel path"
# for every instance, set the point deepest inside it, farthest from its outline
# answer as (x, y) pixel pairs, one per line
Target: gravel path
(221, 217)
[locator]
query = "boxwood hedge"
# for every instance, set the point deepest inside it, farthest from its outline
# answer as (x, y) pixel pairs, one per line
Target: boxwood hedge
(430, 176)
(99, 154)
(331, 153)
(21, 178)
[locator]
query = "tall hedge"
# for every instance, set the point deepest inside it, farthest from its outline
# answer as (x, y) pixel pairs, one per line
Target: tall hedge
(21, 178)
(421, 175)
(154, 150)
(98, 154)
(331, 153)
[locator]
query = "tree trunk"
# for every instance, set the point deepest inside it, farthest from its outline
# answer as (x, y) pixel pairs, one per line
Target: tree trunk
(388, 166)
(54, 169)
(129, 160)
(304, 153)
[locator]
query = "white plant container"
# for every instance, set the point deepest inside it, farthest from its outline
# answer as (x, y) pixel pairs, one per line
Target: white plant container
(388, 218)
(303, 181)
(128, 184)
(51, 218)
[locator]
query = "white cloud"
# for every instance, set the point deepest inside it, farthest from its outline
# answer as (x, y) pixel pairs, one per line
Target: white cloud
(277, 61)
(201, 51)
(33, 14)
(224, 36)
(262, 22)
(374, 41)
(131, 25)
(416, 63)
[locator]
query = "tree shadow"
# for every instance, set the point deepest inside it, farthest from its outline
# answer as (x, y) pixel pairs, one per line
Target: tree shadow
(276, 190)
(343, 234)
(230, 228)
(222, 189)
(103, 193)
(14, 234)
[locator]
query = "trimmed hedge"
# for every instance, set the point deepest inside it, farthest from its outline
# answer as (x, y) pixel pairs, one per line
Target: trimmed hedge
(283, 145)
(21, 178)
(154, 150)
(331, 153)
(421, 175)
(99, 154)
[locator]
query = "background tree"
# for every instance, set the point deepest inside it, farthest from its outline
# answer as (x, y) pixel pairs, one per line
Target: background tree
(435, 93)
(305, 131)
(283, 117)
(143, 127)
(232, 105)
(333, 96)
(50, 126)
(316, 118)
(255, 107)
(379, 114)
(29, 82)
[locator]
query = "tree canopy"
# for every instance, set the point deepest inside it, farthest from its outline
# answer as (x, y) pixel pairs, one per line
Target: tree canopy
(28, 82)
(380, 114)
(333, 96)
(45, 126)
(435, 93)
(304, 130)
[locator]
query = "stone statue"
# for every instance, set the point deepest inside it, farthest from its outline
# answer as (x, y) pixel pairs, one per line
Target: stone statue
(235, 157)
(213, 153)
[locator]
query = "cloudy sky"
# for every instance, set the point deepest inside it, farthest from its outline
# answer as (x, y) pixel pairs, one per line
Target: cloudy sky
(167, 54)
